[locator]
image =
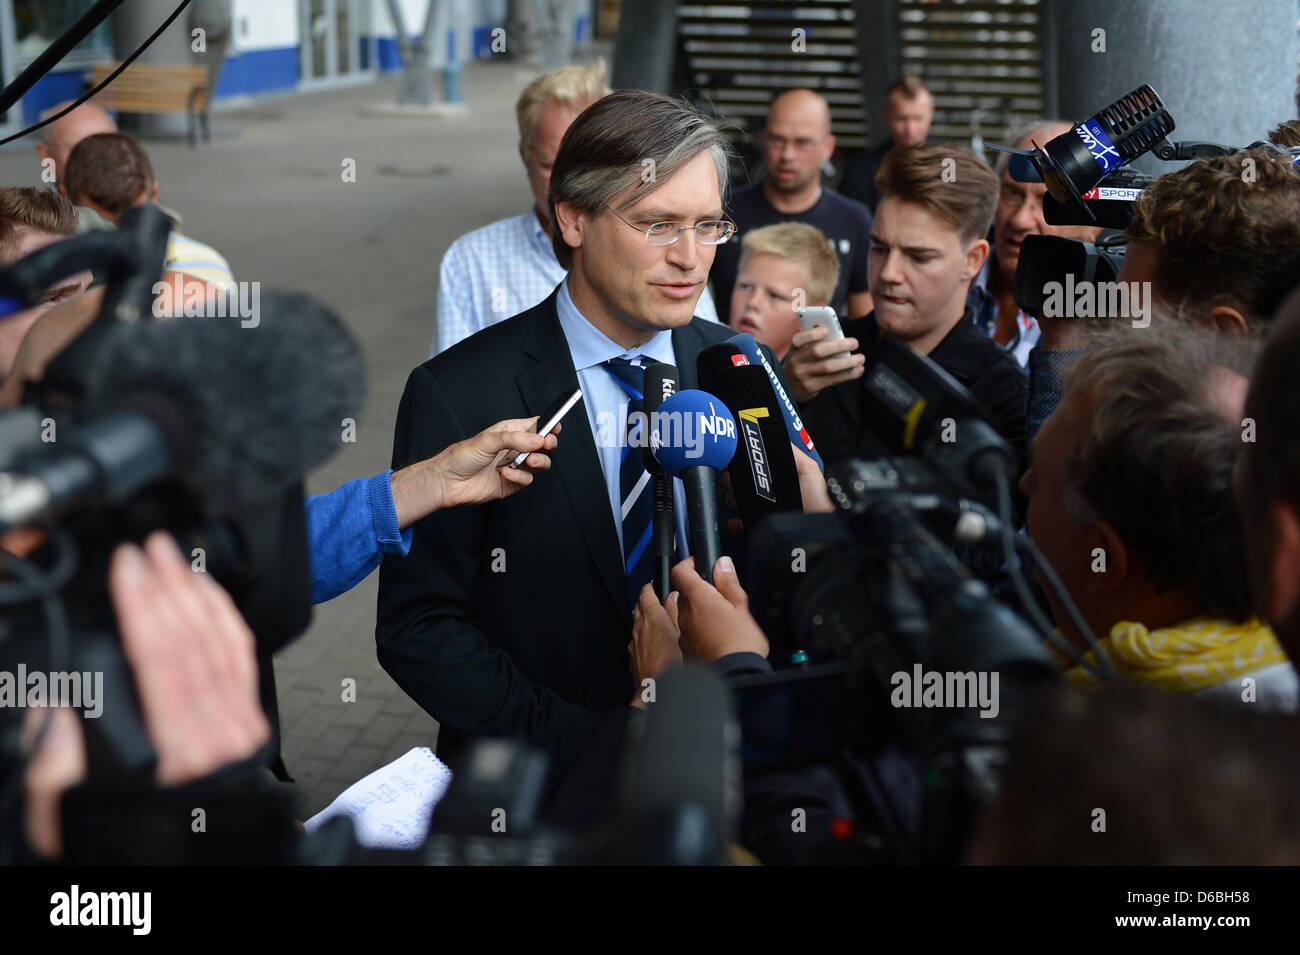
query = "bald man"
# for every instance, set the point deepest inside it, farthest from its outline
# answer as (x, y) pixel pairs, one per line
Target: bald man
(58, 138)
(796, 141)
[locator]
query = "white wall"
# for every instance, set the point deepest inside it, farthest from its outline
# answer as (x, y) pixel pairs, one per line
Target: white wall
(266, 24)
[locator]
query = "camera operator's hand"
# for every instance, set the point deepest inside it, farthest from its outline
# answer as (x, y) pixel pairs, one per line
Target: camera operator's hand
(714, 619)
(654, 647)
(813, 364)
(193, 660)
(470, 471)
(1063, 334)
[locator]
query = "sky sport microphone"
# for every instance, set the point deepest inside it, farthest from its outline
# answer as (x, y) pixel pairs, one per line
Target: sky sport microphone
(1074, 162)
(793, 423)
(693, 437)
(763, 473)
(237, 413)
(660, 383)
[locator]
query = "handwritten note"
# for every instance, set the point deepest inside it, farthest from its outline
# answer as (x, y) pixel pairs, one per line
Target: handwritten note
(390, 808)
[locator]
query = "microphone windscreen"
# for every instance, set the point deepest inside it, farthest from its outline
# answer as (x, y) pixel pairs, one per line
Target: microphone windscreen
(660, 383)
(262, 404)
(789, 412)
(764, 477)
(692, 428)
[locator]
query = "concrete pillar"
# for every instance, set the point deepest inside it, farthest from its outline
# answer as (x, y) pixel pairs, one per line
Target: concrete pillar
(646, 46)
(1226, 71)
(132, 25)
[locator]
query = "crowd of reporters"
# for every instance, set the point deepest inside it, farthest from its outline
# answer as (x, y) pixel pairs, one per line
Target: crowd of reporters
(1155, 463)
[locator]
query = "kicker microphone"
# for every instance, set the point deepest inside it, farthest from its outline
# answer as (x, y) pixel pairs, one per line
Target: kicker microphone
(763, 473)
(660, 384)
(793, 423)
(693, 437)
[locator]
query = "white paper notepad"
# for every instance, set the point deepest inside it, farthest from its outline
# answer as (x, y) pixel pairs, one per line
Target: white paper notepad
(390, 808)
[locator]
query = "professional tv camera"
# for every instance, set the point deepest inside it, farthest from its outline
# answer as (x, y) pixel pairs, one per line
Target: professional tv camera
(1089, 184)
(889, 646)
(202, 426)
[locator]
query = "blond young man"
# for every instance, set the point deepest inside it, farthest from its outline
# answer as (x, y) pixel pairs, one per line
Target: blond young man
(782, 268)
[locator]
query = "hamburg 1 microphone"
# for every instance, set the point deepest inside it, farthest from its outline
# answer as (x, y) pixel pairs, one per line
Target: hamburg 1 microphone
(660, 384)
(793, 423)
(764, 477)
(694, 437)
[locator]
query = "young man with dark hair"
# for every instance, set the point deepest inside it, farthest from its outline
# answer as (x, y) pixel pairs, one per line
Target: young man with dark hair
(927, 244)
(110, 173)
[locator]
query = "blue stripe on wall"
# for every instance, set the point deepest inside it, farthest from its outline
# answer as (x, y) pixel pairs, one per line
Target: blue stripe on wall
(259, 71)
(50, 89)
(256, 71)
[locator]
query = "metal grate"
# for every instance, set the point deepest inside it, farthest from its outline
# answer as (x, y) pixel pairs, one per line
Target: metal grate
(981, 60)
(741, 53)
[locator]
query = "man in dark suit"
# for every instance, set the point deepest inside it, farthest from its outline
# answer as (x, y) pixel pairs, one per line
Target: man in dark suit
(513, 618)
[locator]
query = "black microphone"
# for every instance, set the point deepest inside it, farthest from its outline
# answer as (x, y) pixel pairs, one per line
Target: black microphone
(694, 437)
(764, 477)
(680, 778)
(660, 383)
(237, 413)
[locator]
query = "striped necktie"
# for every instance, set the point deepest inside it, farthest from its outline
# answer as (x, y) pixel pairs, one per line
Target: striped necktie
(633, 479)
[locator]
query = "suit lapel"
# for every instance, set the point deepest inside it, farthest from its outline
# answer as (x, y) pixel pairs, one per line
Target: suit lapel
(687, 345)
(541, 380)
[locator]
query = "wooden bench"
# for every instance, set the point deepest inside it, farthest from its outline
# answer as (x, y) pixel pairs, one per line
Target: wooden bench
(154, 88)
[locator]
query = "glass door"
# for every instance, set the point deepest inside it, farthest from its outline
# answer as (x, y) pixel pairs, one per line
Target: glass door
(336, 42)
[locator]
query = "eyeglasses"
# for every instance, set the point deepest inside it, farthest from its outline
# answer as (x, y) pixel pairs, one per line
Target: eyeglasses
(709, 232)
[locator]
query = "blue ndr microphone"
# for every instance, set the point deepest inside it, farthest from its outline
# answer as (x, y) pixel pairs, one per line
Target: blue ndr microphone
(693, 437)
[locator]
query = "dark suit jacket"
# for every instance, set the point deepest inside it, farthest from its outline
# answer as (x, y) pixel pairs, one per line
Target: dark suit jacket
(834, 417)
(512, 618)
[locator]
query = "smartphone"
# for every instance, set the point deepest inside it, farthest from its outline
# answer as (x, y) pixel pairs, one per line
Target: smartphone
(549, 418)
(815, 315)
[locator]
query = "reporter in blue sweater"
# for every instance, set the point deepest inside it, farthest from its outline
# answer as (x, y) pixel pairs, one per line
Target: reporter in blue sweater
(350, 529)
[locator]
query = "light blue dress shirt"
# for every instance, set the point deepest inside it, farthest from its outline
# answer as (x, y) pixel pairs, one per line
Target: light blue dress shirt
(501, 270)
(601, 393)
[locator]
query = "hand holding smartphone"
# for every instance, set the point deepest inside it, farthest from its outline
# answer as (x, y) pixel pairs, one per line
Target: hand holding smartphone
(814, 315)
(547, 421)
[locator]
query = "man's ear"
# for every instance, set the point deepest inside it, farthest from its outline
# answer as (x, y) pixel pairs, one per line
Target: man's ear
(977, 252)
(523, 156)
(830, 148)
(1284, 563)
(571, 221)
(153, 196)
(1109, 561)
(1225, 318)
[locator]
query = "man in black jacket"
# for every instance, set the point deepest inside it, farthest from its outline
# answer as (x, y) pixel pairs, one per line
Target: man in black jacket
(513, 618)
(927, 243)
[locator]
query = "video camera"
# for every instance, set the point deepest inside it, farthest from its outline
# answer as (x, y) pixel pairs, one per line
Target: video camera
(1089, 184)
(199, 426)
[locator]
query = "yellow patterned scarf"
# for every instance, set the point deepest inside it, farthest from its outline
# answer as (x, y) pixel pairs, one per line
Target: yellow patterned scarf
(1195, 655)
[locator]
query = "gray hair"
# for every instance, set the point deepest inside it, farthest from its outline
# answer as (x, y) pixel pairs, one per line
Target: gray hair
(1039, 129)
(629, 137)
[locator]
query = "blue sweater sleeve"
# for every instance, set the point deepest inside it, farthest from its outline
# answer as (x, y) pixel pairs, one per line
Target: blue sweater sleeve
(348, 532)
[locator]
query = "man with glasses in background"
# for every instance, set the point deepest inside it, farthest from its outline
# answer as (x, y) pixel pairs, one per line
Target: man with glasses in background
(797, 141)
(513, 618)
